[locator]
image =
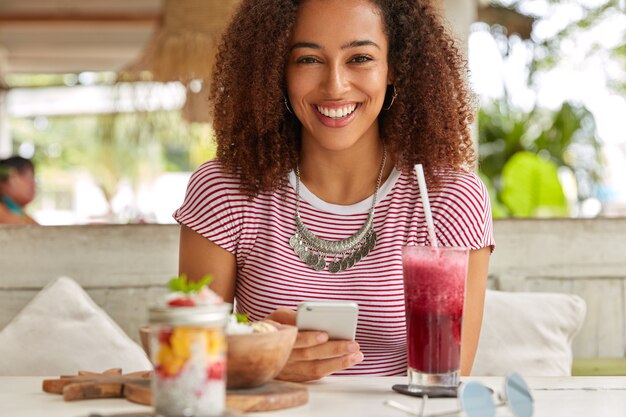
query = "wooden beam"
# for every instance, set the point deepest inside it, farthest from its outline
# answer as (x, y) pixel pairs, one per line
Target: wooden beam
(513, 21)
(78, 18)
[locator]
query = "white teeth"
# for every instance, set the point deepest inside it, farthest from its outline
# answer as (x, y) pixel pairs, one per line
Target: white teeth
(337, 113)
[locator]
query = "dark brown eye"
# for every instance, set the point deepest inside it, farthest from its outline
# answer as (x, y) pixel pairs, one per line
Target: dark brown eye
(361, 59)
(307, 60)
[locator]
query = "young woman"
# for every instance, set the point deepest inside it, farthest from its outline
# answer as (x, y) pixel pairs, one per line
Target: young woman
(321, 110)
(17, 189)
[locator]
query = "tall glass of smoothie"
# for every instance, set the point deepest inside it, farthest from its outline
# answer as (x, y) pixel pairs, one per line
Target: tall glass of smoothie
(434, 289)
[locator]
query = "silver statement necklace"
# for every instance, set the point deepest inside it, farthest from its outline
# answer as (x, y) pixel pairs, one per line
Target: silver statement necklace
(313, 250)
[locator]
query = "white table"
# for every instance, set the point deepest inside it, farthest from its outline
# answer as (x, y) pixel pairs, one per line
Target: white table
(346, 397)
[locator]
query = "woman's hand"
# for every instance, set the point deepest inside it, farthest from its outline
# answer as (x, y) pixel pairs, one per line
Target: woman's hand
(313, 355)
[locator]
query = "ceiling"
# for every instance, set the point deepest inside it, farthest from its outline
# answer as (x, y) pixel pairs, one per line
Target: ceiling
(51, 36)
(61, 36)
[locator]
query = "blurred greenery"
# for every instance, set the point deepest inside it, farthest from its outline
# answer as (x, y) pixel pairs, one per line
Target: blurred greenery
(562, 138)
(27, 80)
(550, 51)
(522, 152)
(531, 187)
(113, 147)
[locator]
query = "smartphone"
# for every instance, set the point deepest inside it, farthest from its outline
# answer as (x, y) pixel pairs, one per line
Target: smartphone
(337, 318)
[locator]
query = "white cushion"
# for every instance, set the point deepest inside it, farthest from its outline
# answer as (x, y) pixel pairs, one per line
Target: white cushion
(530, 333)
(61, 331)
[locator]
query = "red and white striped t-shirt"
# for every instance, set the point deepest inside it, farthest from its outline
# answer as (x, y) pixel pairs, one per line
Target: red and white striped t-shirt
(271, 275)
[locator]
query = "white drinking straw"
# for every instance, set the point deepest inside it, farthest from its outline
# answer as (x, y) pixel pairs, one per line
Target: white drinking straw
(426, 204)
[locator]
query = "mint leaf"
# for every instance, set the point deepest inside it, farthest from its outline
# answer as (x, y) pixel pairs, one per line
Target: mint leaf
(204, 282)
(178, 284)
(242, 318)
(182, 284)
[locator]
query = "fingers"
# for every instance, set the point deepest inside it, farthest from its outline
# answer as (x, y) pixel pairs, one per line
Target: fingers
(284, 316)
(311, 338)
(304, 339)
(320, 359)
(328, 350)
(301, 371)
(313, 355)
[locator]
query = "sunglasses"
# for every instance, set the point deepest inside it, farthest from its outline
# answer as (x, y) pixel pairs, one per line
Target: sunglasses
(475, 400)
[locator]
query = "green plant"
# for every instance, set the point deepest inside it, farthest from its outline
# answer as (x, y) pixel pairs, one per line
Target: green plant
(182, 284)
(531, 187)
(520, 154)
(242, 317)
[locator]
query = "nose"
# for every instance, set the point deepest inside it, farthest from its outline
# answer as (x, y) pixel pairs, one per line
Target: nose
(336, 82)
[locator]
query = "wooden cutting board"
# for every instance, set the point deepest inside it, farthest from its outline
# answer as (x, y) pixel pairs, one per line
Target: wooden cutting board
(88, 385)
(273, 395)
(135, 387)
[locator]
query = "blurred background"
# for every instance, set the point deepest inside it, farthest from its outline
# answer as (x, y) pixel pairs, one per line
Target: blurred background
(109, 99)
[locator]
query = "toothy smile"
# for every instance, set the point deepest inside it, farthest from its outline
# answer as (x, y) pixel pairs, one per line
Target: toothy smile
(337, 113)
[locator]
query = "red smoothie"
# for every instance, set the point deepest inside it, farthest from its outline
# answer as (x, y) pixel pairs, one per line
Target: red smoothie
(434, 286)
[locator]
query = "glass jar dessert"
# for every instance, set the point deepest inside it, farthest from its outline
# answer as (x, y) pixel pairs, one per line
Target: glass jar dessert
(188, 349)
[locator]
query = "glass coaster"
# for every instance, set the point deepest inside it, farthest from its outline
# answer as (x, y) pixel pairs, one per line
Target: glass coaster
(432, 392)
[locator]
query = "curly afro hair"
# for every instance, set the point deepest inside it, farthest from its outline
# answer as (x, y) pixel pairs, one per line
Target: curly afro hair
(259, 139)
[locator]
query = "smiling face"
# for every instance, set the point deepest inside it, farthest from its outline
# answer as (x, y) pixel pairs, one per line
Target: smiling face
(337, 72)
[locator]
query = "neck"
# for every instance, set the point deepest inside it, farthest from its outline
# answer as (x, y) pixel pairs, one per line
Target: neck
(11, 205)
(344, 177)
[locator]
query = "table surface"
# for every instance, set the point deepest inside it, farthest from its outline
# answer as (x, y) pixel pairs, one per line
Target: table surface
(346, 397)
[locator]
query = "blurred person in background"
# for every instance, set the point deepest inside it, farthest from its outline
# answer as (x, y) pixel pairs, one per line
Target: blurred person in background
(17, 190)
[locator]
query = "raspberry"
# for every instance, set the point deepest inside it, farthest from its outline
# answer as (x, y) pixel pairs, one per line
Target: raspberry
(181, 302)
(160, 370)
(216, 371)
(164, 336)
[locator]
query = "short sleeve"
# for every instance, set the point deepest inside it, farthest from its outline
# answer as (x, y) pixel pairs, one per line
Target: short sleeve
(213, 206)
(462, 213)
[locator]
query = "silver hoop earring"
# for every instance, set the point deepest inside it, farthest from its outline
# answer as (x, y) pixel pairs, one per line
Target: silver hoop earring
(287, 104)
(393, 98)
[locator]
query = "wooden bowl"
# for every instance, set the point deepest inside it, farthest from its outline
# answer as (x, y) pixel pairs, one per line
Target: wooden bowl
(256, 358)
(253, 358)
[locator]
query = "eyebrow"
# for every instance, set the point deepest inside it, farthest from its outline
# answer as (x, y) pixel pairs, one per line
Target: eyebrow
(352, 44)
